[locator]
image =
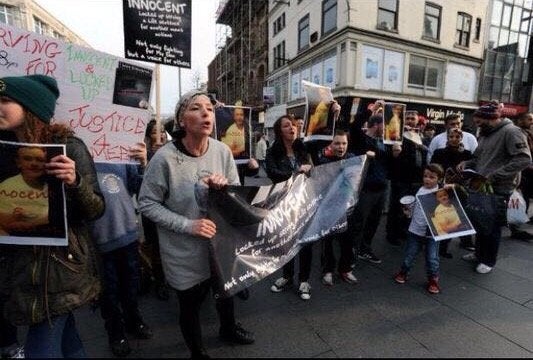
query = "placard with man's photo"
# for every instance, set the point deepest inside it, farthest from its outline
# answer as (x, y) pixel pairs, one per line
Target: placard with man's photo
(32, 203)
(393, 123)
(444, 214)
(319, 120)
(232, 127)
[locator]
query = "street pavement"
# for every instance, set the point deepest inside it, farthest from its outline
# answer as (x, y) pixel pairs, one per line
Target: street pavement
(475, 315)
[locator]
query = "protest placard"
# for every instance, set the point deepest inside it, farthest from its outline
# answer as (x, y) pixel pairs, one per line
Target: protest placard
(445, 215)
(319, 122)
(105, 115)
(232, 127)
(393, 119)
(158, 31)
(32, 204)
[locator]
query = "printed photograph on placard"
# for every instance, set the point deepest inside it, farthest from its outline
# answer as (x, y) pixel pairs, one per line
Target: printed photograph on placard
(393, 117)
(445, 215)
(132, 86)
(233, 129)
(32, 203)
(319, 122)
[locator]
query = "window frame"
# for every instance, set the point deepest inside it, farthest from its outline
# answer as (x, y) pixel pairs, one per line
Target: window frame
(279, 54)
(477, 30)
(278, 24)
(301, 29)
(462, 32)
(324, 11)
(39, 26)
(439, 21)
(436, 91)
(8, 13)
(395, 12)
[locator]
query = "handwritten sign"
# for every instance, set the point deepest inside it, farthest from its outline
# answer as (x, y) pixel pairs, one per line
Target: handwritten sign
(158, 31)
(103, 97)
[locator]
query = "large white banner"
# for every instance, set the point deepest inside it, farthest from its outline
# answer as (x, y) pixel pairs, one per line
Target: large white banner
(104, 98)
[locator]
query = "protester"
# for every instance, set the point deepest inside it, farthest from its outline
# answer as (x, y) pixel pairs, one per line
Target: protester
(501, 155)
(167, 197)
(260, 151)
(151, 139)
(64, 277)
(449, 157)
(150, 247)
(428, 134)
(525, 122)
(117, 236)
(439, 141)
(417, 235)
(299, 122)
(367, 214)
(405, 174)
(335, 152)
(286, 157)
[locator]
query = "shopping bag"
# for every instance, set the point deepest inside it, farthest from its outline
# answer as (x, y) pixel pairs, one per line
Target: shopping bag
(516, 209)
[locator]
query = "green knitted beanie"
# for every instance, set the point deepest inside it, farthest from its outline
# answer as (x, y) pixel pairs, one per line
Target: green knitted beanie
(37, 93)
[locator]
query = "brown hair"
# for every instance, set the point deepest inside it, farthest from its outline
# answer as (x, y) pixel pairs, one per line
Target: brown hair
(436, 169)
(36, 131)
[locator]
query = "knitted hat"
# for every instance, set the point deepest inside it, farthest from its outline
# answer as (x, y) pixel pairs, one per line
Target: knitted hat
(374, 119)
(36, 93)
(488, 111)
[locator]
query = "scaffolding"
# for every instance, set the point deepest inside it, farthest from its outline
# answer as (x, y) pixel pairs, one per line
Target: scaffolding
(240, 65)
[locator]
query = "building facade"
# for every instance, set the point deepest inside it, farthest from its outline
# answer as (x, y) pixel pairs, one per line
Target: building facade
(426, 54)
(507, 74)
(27, 14)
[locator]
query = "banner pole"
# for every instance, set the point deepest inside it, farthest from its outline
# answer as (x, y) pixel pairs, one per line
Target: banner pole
(179, 81)
(158, 103)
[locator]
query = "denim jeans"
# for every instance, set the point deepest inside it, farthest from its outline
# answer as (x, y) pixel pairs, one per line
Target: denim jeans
(121, 285)
(56, 339)
(488, 242)
(413, 246)
(365, 218)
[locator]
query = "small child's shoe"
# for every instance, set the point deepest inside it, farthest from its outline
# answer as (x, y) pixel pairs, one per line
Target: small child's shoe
(433, 285)
(400, 277)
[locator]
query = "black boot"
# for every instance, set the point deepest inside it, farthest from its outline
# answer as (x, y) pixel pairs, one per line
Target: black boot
(118, 342)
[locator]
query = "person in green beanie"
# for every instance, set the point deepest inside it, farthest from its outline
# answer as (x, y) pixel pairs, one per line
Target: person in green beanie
(63, 278)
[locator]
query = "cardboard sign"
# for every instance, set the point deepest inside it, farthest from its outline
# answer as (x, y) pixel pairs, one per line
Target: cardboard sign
(158, 31)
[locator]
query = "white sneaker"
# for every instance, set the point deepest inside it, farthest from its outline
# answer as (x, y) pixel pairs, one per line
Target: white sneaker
(470, 257)
(349, 277)
(327, 279)
(305, 291)
(280, 285)
(483, 269)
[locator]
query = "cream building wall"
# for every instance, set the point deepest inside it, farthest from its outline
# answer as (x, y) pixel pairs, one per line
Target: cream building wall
(357, 35)
(27, 12)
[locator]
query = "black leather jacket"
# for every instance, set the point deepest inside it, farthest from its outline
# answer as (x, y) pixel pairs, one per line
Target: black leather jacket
(280, 168)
